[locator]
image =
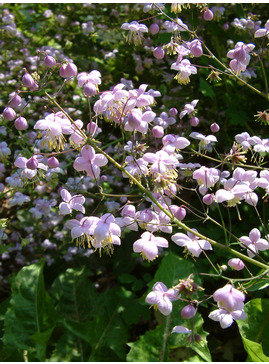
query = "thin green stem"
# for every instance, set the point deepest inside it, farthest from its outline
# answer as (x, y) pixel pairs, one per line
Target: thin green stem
(52, 99)
(228, 70)
(180, 224)
(165, 337)
(264, 74)
(199, 154)
(147, 193)
(223, 225)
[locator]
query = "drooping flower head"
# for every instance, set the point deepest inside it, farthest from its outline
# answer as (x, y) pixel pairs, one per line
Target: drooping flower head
(191, 242)
(231, 306)
(161, 298)
(148, 245)
(136, 31)
(90, 162)
(185, 70)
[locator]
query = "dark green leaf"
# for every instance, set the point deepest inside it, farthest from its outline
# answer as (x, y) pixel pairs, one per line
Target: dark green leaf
(255, 330)
(31, 311)
(206, 89)
(75, 295)
(148, 347)
(172, 269)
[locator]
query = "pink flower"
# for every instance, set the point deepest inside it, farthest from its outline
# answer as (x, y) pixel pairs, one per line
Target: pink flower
(83, 228)
(196, 48)
(175, 26)
(26, 172)
(189, 109)
(244, 139)
(148, 245)
(161, 298)
(28, 81)
(185, 70)
(229, 298)
(138, 121)
(164, 120)
(174, 142)
(110, 100)
(240, 55)
(106, 232)
(140, 97)
(231, 306)
(254, 242)
(136, 29)
(181, 330)
(90, 162)
(226, 318)
(161, 161)
(205, 141)
(191, 242)
(263, 32)
(233, 192)
(90, 81)
(206, 177)
(54, 126)
(128, 218)
(208, 15)
(136, 167)
(71, 203)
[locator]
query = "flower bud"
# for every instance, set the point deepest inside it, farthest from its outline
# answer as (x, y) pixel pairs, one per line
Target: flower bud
(2, 187)
(21, 123)
(226, 26)
(9, 114)
(15, 101)
(236, 264)
(89, 89)
(79, 216)
(188, 312)
(28, 81)
(68, 70)
(52, 162)
(214, 127)
(173, 112)
(208, 15)
(179, 212)
(154, 28)
(32, 163)
(128, 210)
(194, 121)
(103, 178)
(158, 53)
(49, 61)
(158, 131)
(208, 199)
